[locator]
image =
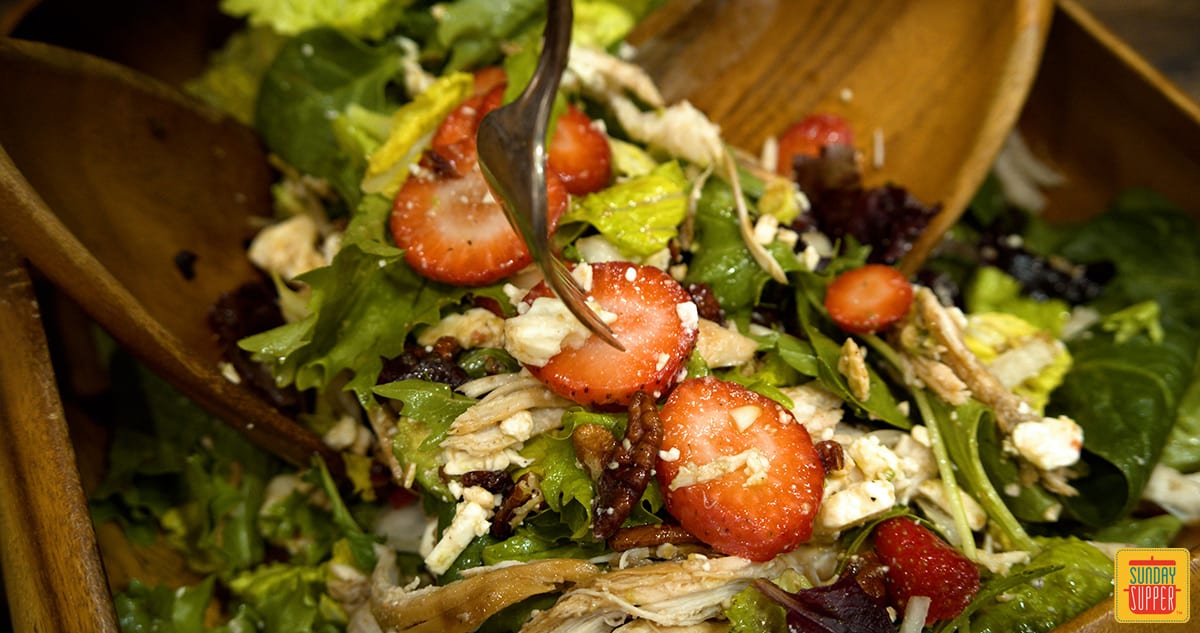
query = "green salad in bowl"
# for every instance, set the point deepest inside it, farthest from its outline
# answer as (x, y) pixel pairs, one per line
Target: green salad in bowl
(797, 436)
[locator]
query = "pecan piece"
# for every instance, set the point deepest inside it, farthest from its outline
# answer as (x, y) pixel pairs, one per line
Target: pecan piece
(525, 497)
(594, 446)
(630, 468)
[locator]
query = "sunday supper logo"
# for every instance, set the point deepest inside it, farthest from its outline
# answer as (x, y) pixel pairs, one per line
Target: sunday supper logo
(1151, 585)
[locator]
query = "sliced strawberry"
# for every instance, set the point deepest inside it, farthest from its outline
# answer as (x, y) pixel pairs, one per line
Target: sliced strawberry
(807, 136)
(488, 78)
(648, 303)
(919, 563)
(759, 509)
(453, 230)
(580, 153)
(867, 299)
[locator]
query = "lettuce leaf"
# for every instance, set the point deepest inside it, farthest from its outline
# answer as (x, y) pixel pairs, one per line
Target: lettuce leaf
(231, 80)
(163, 609)
(289, 598)
(174, 467)
(1084, 577)
(428, 409)
(316, 77)
(362, 18)
(471, 32)
(640, 215)
(362, 309)
(1128, 396)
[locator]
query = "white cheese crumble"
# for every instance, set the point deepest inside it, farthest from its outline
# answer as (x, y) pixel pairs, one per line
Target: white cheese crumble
(854, 504)
(723, 346)
(546, 329)
(1049, 443)
(288, 248)
(689, 315)
(669, 456)
(752, 460)
(471, 520)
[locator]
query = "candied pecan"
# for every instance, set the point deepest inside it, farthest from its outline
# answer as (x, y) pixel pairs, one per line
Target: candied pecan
(446, 348)
(650, 536)
(524, 497)
(706, 302)
(832, 455)
(594, 445)
(629, 470)
(494, 481)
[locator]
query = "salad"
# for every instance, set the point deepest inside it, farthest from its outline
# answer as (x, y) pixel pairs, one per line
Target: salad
(797, 436)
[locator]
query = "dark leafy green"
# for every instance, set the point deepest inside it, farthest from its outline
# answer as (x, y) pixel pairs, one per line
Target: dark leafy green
(315, 77)
(1084, 578)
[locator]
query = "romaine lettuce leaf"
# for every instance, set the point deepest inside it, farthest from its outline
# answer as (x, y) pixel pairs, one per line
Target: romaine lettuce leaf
(162, 609)
(316, 77)
(231, 80)
(362, 18)
(640, 215)
(289, 598)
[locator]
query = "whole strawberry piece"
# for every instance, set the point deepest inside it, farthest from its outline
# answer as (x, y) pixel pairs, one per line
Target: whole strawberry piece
(919, 563)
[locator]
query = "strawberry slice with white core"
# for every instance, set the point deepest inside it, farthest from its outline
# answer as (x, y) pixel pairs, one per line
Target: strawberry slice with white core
(737, 470)
(651, 315)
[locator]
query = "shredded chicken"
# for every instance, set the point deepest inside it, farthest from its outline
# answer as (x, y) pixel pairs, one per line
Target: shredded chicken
(464, 605)
(674, 593)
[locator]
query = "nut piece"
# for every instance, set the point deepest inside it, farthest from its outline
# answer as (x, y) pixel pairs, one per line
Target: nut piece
(831, 454)
(525, 497)
(629, 469)
(594, 446)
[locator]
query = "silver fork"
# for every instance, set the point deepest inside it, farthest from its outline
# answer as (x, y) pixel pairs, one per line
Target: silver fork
(512, 155)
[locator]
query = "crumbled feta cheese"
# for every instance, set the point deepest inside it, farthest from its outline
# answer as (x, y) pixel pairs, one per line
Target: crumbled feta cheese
(875, 460)
(663, 359)
(595, 249)
(545, 329)
(752, 460)
(477, 327)
(858, 502)
(723, 347)
(518, 426)
(287, 248)
(669, 456)
(765, 228)
(342, 434)
(471, 520)
(689, 315)
(1049, 443)
(584, 276)
(1175, 492)
(816, 408)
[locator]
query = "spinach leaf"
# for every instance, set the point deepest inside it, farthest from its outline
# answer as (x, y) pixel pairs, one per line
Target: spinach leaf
(315, 77)
(1127, 397)
(1085, 578)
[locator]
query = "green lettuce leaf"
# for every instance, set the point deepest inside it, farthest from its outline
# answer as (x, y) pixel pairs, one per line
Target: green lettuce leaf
(720, 257)
(362, 18)
(289, 598)
(640, 215)
(471, 32)
(1128, 396)
(316, 77)
(991, 290)
(362, 309)
(230, 81)
(162, 609)
(428, 409)
(1084, 578)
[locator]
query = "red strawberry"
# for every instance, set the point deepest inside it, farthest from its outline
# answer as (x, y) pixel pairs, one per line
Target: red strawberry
(580, 153)
(919, 563)
(706, 419)
(489, 77)
(808, 135)
(648, 303)
(867, 299)
(449, 223)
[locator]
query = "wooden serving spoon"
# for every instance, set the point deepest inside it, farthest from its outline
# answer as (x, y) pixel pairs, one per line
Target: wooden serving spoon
(106, 178)
(109, 175)
(932, 88)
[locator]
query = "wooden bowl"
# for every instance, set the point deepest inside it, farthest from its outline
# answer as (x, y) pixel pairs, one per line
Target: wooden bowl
(1098, 113)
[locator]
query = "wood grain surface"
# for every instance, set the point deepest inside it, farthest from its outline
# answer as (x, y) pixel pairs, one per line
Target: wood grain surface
(52, 568)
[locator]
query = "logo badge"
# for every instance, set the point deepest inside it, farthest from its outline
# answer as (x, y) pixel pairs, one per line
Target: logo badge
(1152, 585)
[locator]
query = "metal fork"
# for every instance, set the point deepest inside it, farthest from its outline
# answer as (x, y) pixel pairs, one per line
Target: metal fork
(512, 155)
